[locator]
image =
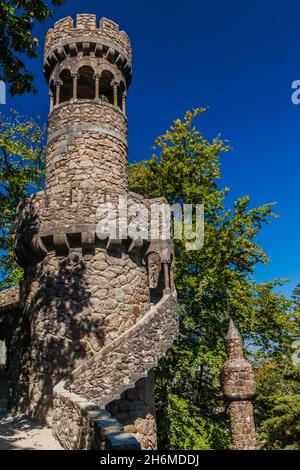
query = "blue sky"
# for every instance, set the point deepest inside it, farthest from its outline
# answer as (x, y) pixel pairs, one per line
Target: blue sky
(237, 58)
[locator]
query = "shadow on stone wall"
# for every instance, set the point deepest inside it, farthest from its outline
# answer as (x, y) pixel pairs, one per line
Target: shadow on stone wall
(58, 328)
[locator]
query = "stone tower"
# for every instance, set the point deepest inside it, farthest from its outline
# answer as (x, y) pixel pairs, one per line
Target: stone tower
(239, 391)
(98, 311)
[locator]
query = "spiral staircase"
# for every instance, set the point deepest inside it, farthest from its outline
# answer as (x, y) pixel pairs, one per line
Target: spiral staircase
(83, 396)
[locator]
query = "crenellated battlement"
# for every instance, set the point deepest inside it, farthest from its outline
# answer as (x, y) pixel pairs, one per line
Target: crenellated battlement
(67, 31)
(85, 21)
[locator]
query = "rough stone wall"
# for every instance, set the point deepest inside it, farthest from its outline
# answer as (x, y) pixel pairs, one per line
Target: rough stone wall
(72, 114)
(87, 144)
(239, 390)
(70, 206)
(12, 331)
(75, 305)
(10, 305)
(9, 296)
(243, 427)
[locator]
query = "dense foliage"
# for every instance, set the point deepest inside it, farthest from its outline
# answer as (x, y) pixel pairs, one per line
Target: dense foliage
(212, 283)
(278, 405)
(22, 159)
(17, 18)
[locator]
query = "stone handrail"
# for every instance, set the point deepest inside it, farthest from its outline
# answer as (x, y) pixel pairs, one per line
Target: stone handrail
(116, 368)
(79, 424)
(133, 354)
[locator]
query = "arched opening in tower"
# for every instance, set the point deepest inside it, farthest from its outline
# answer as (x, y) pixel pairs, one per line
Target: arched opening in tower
(86, 83)
(106, 88)
(67, 86)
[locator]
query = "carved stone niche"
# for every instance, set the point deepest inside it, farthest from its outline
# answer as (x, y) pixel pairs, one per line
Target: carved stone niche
(158, 255)
(154, 268)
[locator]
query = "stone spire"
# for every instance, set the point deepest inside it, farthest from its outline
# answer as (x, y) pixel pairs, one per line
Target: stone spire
(239, 390)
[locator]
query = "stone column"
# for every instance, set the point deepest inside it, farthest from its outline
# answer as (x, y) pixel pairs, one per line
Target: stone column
(97, 90)
(124, 102)
(75, 77)
(239, 390)
(58, 85)
(172, 282)
(115, 87)
(51, 100)
(166, 277)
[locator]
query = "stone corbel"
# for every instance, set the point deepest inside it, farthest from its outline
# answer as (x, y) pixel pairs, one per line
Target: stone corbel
(135, 246)
(61, 244)
(88, 241)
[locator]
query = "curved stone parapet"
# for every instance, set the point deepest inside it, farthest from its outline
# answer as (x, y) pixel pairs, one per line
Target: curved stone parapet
(75, 113)
(61, 218)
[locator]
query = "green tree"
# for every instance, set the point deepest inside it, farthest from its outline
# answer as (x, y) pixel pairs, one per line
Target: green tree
(17, 19)
(278, 405)
(212, 283)
(22, 161)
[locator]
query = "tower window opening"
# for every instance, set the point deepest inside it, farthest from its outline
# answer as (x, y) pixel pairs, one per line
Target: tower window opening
(86, 83)
(106, 87)
(66, 92)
